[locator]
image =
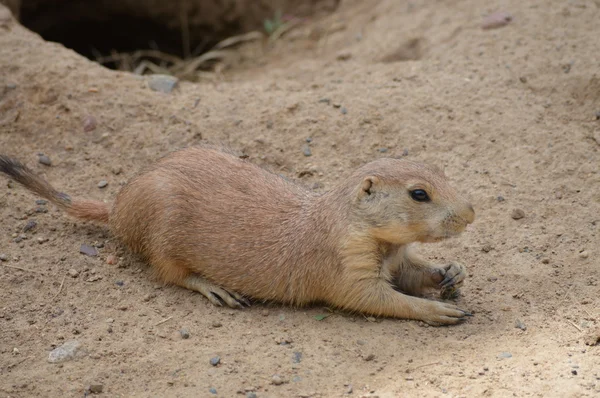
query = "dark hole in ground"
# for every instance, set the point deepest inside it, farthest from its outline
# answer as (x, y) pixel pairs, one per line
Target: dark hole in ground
(116, 32)
(100, 37)
(97, 39)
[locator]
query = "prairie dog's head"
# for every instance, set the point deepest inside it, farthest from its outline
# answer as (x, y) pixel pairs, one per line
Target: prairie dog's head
(403, 201)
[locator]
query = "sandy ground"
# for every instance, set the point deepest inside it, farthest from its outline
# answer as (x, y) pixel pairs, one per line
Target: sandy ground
(509, 113)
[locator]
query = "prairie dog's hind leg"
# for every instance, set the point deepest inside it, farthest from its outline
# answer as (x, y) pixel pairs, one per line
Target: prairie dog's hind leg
(215, 294)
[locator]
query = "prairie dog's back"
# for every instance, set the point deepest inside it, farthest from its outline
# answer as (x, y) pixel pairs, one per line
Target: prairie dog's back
(224, 217)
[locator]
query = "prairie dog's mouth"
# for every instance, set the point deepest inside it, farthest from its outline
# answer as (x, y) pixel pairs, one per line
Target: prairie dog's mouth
(448, 234)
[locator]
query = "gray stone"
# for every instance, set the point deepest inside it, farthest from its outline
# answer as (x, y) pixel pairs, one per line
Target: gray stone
(88, 250)
(277, 380)
(102, 184)
(45, 160)
(214, 361)
(162, 83)
(65, 352)
(96, 388)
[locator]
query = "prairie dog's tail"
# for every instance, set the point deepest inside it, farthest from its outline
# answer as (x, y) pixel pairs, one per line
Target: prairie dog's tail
(90, 210)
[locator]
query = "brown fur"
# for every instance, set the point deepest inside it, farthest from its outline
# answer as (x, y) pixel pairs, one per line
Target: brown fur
(212, 222)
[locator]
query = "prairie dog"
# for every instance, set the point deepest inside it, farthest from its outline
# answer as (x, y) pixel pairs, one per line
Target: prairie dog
(225, 227)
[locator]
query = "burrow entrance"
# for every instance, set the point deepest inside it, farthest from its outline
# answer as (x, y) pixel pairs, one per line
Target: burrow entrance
(121, 34)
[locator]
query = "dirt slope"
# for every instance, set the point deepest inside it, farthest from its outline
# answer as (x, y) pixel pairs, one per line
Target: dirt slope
(509, 113)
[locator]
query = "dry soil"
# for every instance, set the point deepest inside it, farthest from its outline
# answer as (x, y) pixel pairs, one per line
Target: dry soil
(510, 113)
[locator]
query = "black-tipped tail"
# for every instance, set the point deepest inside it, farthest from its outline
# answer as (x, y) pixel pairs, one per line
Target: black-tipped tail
(84, 209)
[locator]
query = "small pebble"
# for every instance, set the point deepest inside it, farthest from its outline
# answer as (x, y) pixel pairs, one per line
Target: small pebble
(584, 254)
(117, 170)
(214, 361)
(45, 160)
(162, 83)
(517, 214)
(545, 261)
(212, 390)
(520, 325)
(41, 202)
(31, 224)
(89, 123)
(383, 150)
(297, 358)
(327, 101)
(96, 388)
(3, 257)
(487, 248)
(574, 372)
(111, 259)
(88, 250)
(64, 352)
(343, 56)
(277, 380)
(306, 151)
(344, 111)
(120, 283)
(186, 335)
(370, 357)
(505, 355)
(73, 273)
(598, 115)
(102, 184)
(496, 20)
(251, 395)
(265, 312)
(500, 198)
(216, 324)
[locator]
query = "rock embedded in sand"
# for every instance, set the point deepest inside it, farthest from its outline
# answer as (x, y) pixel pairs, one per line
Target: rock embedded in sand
(186, 335)
(277, 380)
(44, 159)
(306, 151)
(65, 352)
(214, 361)
(517, 214)
(89, 123)
(162, 83)
(88, 250)
(31, 224)
(102, 184)
(96, 388)
(496, 20)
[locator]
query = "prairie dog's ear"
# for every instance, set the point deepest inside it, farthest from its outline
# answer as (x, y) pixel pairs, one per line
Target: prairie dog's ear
(369, 186)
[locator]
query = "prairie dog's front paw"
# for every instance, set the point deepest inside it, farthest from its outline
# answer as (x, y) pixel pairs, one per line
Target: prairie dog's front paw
(438, 313)
(454, 275)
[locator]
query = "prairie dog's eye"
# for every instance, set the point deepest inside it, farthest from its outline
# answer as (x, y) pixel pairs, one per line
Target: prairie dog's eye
(419, 195)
